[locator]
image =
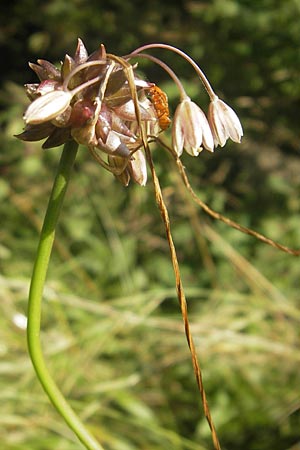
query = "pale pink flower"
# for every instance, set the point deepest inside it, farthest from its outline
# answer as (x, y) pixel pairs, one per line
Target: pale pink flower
(191, 130)
(224, 123)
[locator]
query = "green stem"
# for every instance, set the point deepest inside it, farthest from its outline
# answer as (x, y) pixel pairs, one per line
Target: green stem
(36, 292)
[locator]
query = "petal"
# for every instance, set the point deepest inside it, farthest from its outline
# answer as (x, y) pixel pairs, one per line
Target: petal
(81, 54)
(40, 71)
(57, 138)
(207, 137)
(114, 145)
(99, 54)
(36, 132)
(127, 111)
(53, 73)
(233, 123)
(208, 141)
(177, 132)
(216, 125)
(192, 120)
(67, 66)
(193, 151)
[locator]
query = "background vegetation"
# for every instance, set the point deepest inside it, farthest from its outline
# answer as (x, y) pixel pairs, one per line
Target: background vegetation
(112, 330)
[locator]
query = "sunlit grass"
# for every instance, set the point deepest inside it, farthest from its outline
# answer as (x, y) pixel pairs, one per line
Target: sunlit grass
(112, 331)
(125, 366)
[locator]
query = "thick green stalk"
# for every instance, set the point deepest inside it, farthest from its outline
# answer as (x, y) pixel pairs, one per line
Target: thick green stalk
(36, 293)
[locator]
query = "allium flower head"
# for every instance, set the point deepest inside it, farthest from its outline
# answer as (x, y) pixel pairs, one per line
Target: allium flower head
(99, 101)
(89, 99)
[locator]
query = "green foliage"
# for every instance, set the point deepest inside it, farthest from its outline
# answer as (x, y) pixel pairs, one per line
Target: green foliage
(112, 330)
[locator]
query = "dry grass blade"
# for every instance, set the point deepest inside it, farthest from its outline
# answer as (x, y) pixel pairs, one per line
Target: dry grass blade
(179, 287)
(219, 216)
(230, 222)
(181, 297)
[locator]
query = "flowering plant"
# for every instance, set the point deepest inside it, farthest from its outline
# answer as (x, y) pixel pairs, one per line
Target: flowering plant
(99, 101)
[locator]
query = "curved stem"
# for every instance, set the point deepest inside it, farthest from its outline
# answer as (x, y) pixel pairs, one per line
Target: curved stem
(36, 293)
(215, 215)
(200, 73)
(78, 69)
(172, 74)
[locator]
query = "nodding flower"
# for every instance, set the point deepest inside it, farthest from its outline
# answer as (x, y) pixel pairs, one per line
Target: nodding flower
(100, 101)
(224, 123)
(191, 130)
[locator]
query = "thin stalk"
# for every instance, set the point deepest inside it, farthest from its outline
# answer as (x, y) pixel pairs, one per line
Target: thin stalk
(170, 72)
(36, 293)
(182, 299)
(200, 73)
(218, 216)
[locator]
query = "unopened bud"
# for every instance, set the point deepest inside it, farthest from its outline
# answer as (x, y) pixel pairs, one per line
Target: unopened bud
(47, 107)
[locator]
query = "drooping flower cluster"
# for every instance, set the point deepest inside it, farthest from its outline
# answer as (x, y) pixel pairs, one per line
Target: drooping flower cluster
(99, 101)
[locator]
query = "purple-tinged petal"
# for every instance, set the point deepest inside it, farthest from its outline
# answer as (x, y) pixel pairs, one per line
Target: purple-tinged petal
(81, 54)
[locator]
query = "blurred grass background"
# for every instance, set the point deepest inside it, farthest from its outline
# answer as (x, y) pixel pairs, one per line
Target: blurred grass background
(112, 330)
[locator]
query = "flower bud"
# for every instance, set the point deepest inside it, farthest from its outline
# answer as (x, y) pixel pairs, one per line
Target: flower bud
(47, 107)
(224, 123)
(191, 130)
(118, 163)
(138, 168)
